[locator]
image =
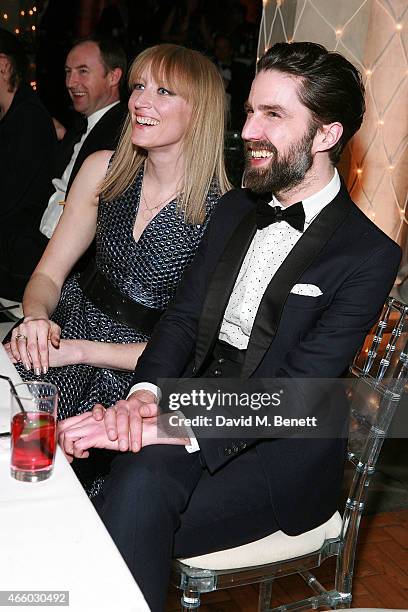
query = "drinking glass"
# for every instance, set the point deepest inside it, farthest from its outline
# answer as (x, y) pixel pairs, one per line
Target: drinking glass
(33, 430)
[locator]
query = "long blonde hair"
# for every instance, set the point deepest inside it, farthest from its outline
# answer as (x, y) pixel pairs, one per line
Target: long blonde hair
(195, 78)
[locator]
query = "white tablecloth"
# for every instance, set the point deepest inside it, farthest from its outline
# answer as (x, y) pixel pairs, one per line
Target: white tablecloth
(6, 369)
(51, 538)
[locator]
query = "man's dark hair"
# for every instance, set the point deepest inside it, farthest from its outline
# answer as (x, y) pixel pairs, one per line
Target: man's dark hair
(330, 86)
(112, 53)
(14, 50)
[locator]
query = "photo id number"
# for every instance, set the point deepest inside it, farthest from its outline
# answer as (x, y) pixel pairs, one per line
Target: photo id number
(34, 598)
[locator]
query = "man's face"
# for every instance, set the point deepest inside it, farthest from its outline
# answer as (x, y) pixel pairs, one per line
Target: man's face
(88, 82)
(278, 134)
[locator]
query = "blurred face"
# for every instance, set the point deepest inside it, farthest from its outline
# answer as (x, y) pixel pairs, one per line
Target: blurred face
(159, 116)
(5, 70)
(279, 134)
(90, 85)
(223, 49)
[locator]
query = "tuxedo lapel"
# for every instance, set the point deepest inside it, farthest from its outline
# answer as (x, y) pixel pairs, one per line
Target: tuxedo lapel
(221, 286)
(299, 259)
(66, 146)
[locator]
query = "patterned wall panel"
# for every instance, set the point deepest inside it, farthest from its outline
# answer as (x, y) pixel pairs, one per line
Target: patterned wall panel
(373, 34)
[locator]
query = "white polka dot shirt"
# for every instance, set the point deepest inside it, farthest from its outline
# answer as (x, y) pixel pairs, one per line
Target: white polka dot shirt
(269, 248)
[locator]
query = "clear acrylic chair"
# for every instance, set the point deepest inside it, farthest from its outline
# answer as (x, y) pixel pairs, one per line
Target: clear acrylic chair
(377, 379)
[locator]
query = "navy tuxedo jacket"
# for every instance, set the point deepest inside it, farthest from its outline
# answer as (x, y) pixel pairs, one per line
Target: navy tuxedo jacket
(294, 336)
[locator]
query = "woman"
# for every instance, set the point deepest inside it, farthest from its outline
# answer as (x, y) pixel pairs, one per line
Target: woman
(148, 204)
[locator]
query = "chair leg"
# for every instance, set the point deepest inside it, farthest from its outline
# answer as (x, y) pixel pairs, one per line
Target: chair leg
(190, 600)
(265, 595)
(343, 605)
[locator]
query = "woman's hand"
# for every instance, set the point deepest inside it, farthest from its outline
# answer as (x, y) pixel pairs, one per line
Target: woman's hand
(69, 352)
(30, 340)
(79, 433)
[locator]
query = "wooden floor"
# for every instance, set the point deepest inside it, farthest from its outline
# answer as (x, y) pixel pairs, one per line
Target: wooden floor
(381, 573)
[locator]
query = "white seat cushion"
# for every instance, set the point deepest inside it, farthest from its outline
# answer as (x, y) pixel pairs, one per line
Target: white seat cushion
(276, 547)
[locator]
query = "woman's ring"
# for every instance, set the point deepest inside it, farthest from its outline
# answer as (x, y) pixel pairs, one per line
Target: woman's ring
(21, 337)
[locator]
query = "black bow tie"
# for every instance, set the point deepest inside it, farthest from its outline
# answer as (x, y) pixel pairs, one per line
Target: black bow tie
(266, 214)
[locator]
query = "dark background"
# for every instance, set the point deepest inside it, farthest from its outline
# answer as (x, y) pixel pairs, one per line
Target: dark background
(136, 23)
(48, 30)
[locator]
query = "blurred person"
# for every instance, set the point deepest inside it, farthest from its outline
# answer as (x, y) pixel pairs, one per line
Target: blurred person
(243, 34)
(236, 77)
(113, 20)
(149, 203)
(54, 38)
(27, 148)
(186, 24)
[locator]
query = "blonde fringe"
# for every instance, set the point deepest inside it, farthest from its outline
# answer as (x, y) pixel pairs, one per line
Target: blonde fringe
(203, 146)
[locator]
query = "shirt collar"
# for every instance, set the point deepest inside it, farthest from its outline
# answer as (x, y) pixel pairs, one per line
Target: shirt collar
(94, 118)
(316, 202)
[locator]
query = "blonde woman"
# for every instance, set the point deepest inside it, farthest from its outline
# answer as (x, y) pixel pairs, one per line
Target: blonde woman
(148, 205)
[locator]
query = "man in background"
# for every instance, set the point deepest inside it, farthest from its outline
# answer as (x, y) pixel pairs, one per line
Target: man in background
(237, 80)
(95, 69)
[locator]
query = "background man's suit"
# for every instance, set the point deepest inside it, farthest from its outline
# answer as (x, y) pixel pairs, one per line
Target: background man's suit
(23, 247)
(104, 135)
(293, 336)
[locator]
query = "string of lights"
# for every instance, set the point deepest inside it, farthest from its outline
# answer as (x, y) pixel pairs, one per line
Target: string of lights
(21, 19)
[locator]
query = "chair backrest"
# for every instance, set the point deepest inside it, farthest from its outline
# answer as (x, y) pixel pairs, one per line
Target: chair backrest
(379, 375)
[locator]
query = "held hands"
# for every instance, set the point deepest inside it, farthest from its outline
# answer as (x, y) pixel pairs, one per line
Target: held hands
(129, 425)
(79, 433)
(125, 420)
(30, 343)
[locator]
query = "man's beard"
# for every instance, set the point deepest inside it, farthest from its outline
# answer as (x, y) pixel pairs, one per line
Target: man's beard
(283, 171)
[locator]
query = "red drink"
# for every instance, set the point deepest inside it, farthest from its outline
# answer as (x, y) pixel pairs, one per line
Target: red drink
(33, 441)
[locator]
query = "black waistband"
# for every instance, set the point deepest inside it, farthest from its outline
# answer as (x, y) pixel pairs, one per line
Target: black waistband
(119, 307)
(223, 349)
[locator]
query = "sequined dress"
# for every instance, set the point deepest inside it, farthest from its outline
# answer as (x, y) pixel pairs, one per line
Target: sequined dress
(147, 271)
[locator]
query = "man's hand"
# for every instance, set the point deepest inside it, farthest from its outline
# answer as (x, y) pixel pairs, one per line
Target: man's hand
(123, 421)
(78, 434)
(136, 422)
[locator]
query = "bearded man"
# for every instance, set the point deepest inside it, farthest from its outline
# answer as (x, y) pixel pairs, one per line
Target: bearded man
(289, 279)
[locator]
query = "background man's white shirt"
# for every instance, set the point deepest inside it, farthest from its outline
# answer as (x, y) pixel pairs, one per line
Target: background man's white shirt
(55, 207)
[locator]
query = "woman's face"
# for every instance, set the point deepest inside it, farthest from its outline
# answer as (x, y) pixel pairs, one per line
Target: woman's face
(159, 116)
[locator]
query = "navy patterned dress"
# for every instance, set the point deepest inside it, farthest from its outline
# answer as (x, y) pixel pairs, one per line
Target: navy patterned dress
(147, 271)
